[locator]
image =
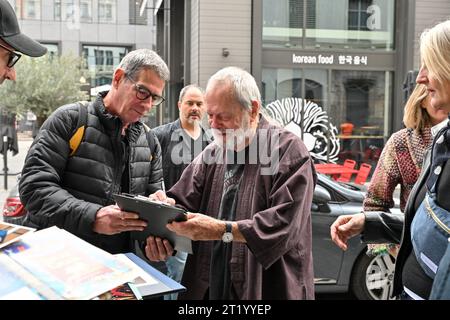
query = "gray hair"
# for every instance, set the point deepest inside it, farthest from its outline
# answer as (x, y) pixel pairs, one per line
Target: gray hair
(187, 88)
(140, 59)
(242, 83)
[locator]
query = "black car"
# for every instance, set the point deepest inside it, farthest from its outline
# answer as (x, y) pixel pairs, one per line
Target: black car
(368, 278)
(334, 270)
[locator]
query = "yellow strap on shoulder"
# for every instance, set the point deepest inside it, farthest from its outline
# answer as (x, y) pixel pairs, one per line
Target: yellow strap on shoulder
(75, 141)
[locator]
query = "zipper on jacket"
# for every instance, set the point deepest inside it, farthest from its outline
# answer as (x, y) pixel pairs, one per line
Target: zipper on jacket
(435, 217)
(131, 152)
(117, 146)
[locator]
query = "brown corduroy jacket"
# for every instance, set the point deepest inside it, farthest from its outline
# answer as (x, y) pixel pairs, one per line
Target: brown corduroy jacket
(273, 214)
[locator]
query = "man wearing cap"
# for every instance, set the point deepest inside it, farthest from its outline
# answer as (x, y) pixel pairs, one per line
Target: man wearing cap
(11, 40)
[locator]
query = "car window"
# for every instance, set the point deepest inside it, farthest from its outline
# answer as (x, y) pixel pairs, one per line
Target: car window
(340, 192)
(336, 197)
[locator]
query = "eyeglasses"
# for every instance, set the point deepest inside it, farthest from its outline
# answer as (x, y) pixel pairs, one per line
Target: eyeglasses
(13, 56)
(143, 93)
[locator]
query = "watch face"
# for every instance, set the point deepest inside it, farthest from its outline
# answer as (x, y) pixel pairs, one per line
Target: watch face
(227, 237)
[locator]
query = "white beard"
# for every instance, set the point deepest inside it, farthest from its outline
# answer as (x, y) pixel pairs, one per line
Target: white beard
(235, 139)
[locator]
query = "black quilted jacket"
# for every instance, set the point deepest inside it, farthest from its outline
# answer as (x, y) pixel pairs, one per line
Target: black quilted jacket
(68, 191)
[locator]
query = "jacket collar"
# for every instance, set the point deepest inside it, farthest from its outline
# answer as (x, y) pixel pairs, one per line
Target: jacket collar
(438, 127)
(113, 123)
(263, 123)
(176, 125)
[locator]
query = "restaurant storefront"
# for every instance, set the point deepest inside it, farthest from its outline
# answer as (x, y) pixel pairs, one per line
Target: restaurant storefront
(329, 72)
(340, 114)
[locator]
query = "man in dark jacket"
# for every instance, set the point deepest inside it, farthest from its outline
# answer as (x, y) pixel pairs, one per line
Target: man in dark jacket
(75, 191)
(181, 141)
(252, 190)
(11, 40)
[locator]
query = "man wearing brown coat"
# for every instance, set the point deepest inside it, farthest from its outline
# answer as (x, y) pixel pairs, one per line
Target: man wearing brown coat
(252, 189)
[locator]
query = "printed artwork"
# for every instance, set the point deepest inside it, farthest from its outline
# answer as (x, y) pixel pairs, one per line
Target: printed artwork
(319, 134)
(11, 232)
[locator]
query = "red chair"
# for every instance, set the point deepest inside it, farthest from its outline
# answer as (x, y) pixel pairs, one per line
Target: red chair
(363, 173)
(345, 177)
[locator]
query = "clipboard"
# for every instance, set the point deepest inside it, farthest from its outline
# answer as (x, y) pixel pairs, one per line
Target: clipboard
(157, 215)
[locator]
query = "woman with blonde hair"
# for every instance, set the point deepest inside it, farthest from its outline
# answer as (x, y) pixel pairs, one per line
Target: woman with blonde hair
(423, 231)
(402, 157)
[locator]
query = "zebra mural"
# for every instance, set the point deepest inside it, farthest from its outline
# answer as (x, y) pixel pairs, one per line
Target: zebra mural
(319, 135)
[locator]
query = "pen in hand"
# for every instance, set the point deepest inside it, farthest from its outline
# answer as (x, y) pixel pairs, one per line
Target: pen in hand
(161, 197)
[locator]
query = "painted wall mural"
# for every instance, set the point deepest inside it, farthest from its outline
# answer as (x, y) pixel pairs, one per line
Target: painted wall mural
(316, 126)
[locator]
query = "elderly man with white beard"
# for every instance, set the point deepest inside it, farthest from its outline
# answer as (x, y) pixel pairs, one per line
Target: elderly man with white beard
(252, 226)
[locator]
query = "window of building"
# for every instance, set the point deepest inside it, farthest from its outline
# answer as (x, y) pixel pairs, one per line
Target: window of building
(109, 58)
(85, 53)
(296, 17)
(57, 10)
(136, 8)
(282, 23)
(86, 10)
(342, 24)
(65, 10)
(52, 49)
(358, 15)
(69, 9)
(295, 14)
(107, 11)
(101, 61)
(99, 58)
(28, 9)
(73, 10)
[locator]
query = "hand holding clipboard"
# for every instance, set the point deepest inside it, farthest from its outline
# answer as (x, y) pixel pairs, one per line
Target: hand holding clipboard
(157, 214)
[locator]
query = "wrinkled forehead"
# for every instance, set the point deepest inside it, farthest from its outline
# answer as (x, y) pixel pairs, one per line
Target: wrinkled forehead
(219, 90)
(224, 108)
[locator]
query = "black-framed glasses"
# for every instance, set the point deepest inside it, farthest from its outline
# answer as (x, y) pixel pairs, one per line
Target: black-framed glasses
(13, 56)
(142, 93)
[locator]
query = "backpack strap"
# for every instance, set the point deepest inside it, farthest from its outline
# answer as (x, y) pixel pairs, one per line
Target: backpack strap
(151, 140)
(76, 138)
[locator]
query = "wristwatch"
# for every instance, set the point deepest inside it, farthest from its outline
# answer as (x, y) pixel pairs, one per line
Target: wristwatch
(227, 236)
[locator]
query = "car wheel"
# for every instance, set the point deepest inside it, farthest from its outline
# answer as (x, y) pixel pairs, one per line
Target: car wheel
(373, 277)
